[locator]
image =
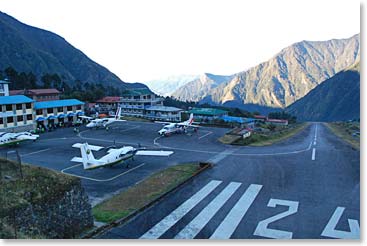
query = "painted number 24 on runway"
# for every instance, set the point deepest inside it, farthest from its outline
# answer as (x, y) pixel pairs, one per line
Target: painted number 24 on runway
(329, 230)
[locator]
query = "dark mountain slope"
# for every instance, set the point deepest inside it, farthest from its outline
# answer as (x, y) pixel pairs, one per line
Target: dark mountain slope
(30, 49)
(336, 99)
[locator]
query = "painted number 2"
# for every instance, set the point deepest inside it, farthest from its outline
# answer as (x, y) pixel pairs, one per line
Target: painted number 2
(262, 228)
(330, 230)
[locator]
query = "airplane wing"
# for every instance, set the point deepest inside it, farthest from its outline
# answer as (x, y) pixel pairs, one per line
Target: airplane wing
(186, 125)
(77, 159)
(23, 136)
(86, 117)
(91, 147)
(154, 152)
(163, 122)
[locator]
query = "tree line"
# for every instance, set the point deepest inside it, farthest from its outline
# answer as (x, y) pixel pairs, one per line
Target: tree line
(87, 92)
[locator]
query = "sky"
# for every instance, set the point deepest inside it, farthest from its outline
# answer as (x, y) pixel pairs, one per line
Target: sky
(142, 40)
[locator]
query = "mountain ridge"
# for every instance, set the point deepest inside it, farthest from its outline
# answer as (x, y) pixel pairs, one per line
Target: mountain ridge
(336, 99)
(31, 49)
(286, 77)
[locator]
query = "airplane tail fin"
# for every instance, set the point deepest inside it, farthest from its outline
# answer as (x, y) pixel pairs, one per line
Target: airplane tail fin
(118, 113)
(191, 119)
(87, 158)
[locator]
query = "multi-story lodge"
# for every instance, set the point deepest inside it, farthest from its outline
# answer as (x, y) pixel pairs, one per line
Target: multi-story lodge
(134, 102)
(16, 113)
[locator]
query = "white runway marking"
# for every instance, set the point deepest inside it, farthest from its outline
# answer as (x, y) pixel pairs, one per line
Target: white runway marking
(232, 220)
(36, 152)
(198, 223)
(330, 230)
(220, 156)
(99, 180)
(205, 135)
(313, 154)
(171, 219)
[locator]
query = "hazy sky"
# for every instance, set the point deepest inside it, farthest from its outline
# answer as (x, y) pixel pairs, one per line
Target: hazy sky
(140, 40)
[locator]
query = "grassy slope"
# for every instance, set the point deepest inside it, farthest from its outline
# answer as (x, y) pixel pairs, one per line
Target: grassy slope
(263, 140)
(144, 192)
(38, 185)
(344, 131)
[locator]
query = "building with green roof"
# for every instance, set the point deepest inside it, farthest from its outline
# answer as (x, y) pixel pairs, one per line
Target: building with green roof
(208, 113)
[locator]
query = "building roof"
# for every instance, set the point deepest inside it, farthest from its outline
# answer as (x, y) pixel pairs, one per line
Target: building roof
(109, 100)
(57, 103)
(15, 99)
(34, 92)
(164, 109)
(277, 120)
(4, 82)
(137, 92)
(237, 119)
(260, 117)
(207, 111)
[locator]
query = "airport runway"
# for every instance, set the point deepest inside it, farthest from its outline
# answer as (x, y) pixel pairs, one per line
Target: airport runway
(308, 187)
(305, 187)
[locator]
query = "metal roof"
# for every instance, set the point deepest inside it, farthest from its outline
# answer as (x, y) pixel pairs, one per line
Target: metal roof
(14, 99)
(163, 109)
(57, 103)
(137, 92)
(207, 111)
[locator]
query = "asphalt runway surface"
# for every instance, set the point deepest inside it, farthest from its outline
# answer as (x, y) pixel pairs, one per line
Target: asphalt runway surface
(304, 187)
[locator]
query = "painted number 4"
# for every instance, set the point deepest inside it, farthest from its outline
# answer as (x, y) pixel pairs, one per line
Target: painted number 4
(330, 230)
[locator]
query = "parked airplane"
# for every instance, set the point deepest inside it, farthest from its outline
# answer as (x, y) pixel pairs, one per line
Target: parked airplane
(104, 122)
(113, 157)
(181, 127)
(9, 138)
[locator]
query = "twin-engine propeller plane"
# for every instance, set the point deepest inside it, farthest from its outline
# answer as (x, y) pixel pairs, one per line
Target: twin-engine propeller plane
(181, 127)
(104, 122)
(9, 138)
(113, 157)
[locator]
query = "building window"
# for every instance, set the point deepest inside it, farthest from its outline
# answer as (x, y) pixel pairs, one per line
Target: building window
(60, 109)
(50, 110)
(9, 107)
(1, 120)
(19, 106)
(39, 111)
(28, 105)
(20, 118)
(69, 108)
(10, 119)
(29, 117)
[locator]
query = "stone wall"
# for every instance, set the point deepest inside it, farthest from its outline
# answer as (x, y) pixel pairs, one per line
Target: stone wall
(66, 217)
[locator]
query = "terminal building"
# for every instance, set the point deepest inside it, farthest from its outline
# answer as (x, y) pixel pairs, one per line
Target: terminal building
(57, 113)
(16, 113)
(208, 114)
(163, 113)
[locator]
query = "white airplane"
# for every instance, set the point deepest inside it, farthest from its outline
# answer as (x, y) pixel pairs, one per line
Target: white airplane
(104, 122)
(9, 138)
(113, 157)
(181, 127)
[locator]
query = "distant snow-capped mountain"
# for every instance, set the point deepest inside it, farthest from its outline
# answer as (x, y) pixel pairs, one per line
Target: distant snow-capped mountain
(166, 86)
